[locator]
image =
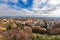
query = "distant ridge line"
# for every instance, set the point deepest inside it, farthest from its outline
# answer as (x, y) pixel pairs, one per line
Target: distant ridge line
(42, 18)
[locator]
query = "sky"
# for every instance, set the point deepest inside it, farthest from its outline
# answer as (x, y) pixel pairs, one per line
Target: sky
(32, 8)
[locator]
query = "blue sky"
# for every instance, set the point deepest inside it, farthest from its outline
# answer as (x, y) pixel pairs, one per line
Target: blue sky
(41, 8)
(25, 5)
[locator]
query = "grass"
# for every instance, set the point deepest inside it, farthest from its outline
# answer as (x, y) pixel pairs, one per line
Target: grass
(45, 37)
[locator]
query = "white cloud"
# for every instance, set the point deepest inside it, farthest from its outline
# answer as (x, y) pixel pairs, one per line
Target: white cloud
(25, 1)
(54, 2)
(14, 1)
(5, 10)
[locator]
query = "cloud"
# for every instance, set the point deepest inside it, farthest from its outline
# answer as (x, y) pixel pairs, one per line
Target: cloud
(14, 1)
(25, 1)
(50, 9)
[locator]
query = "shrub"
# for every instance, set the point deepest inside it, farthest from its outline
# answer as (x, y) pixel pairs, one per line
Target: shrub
(45, 37)
(19, 26)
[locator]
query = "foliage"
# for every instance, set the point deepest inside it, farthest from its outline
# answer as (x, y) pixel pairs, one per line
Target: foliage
(9, 26)
(19, 26)
(34, 30)
(45, 37)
